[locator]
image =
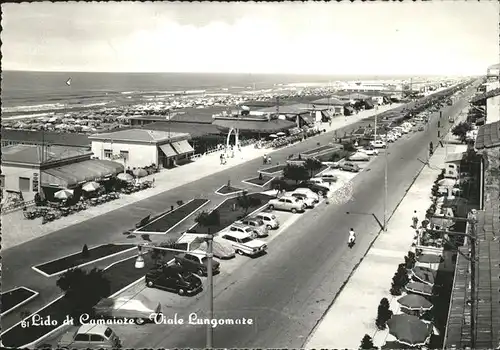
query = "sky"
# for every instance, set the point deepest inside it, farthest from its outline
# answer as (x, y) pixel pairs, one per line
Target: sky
(438, 38)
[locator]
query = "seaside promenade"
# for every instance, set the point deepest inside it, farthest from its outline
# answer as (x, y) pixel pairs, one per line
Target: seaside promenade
(17, 230)
(353, 310)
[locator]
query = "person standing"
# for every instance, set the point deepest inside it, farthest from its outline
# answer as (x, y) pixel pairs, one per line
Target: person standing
(415, 219)
(352, 238)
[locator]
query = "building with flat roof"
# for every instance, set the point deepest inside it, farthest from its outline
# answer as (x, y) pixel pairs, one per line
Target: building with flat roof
(29, 169)
(30, 137)
(138, 148)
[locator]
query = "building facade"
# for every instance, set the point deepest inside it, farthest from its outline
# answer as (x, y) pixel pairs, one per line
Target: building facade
(139, 148)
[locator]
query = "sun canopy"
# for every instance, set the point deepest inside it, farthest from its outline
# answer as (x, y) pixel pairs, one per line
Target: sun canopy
(182, 147)
(271, 126)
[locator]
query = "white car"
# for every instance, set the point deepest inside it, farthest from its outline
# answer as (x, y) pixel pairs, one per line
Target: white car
(309, 202)
(378, 144)
(360, 156)
(244, 244)
(269, 219)
(319, 181)
(308, 193)
(329, 177)
(287, 203)
(369, 150)
(243, 229)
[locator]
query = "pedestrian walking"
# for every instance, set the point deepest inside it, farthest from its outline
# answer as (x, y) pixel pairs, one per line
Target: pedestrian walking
(221, 159)
(330, 122)
(264, 159)
(269, 160)
(431, 148)
(415, 219)
(352, 238)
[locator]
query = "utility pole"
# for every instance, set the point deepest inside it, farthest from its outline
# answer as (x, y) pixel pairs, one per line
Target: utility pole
(210, 288)
(386, 166)
(471, 219)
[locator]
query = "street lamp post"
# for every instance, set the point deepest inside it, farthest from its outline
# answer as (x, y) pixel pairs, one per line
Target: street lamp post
(386, 166)
(139, 264)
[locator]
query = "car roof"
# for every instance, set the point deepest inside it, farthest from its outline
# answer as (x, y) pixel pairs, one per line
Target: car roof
(92, 329)
(264, 214)
(251, 219)
(237, 234)
(240, 225)
(199, 253)
(287, 197)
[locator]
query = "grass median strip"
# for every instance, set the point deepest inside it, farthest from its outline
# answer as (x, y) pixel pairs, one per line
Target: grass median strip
(120, 275)
(230, 211)
(226, 190)
(273, 169)
(165, 222)
(78, 259)
(16, 297)
(260, 181)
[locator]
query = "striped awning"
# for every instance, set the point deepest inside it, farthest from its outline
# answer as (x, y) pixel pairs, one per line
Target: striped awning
(182, 147)
(70, 175)
(168, 150)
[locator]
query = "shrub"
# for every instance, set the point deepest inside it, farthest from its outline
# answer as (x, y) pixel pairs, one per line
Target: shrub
(410, 260)
(179, 203)
(260, 176)
(85, 251)
(367, 343)
(384, 314)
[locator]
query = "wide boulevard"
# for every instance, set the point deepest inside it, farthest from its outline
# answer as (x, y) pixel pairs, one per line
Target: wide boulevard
(286, 292)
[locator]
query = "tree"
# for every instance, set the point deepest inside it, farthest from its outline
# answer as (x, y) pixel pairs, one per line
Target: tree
(83, 289)
(296, 173)
(85, 251)
(159, 255)
(312, 165)
(279, 184)
(410, 260)
(208, 219)
(367, 343)
(180, 202)
(460, 130)
(246, 202)
(384, 314)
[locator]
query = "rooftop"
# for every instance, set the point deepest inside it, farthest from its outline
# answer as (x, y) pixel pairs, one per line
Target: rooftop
(254, 124)
(485, 95)
(488, 136)
(140, 135)
(194, 129)
(46, 137)
(331, 101)
(36, 155)
(298, 108)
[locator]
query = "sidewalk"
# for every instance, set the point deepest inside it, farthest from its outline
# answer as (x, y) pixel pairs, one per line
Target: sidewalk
(353, 313)
(17, 230)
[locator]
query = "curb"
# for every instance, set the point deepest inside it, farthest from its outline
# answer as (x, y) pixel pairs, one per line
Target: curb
(261, 186)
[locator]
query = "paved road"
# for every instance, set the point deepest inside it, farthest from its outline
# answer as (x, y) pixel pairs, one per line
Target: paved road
(287, 291)
(109, 227)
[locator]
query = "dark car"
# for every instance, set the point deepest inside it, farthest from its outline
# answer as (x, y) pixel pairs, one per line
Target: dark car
(316, 188)
(174, 279)
(196, 262)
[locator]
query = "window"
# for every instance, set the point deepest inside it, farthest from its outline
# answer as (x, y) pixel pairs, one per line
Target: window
(2, 181)
(82, 337)
(229, 238)
(96, 337)
(108, 153)
(24, 184)
(124, 155)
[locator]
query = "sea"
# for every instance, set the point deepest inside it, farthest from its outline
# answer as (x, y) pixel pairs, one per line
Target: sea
(38, 92)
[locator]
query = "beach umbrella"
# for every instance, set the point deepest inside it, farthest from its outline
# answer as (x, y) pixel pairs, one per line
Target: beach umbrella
(409, 330)
(63, 194)
(125, 177)
(273, 136)
(429, 258)
(140, 172)
(419, 288)
(447, 182)
(415, 302)
(424, 274)
(91, 186)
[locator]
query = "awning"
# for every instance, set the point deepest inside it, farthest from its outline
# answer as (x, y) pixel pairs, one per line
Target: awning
(454, 157)
(182, 147)
(168, 150)
(264, 126)
(70, 175)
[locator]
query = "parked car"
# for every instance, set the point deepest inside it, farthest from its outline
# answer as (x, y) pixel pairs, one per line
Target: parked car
(420, 128)
(258, 226)
(329, 177)
(287, 203)
(220, 248)
(378, 144)
(139, 308)
(173, 278)
(359, 157)
(369, 150)
(269, 219)
(196, 262)
(239, 227)
(348, 166)
(309, 202)
(308, 192)
(93, 336)
(244, 244)
(320, 187)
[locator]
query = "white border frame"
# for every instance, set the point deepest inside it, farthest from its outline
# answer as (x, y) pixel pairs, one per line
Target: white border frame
(137, 232)
(256, 177)
(34, 268)
(22, 302)
(227, 194)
